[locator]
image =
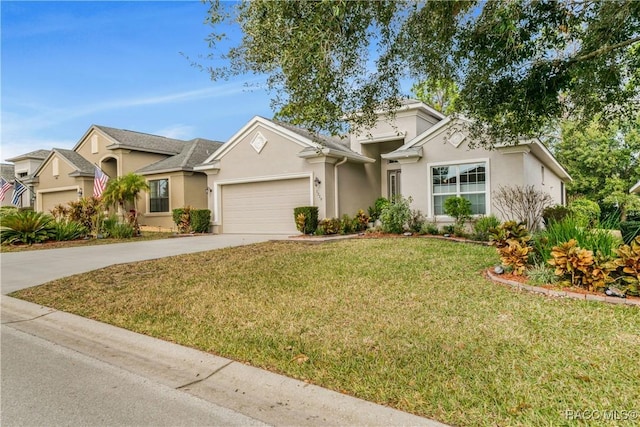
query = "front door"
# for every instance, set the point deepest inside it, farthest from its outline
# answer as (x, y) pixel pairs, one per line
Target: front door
(393, 184)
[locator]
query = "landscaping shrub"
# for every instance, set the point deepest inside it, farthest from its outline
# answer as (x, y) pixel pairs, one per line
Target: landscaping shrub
(585, 212)
(84, 211)
(306, 218)
(121, 231)
(26, 226)
(416, 221)
(482, 226)
(460, 209)
(107, 224)
(361, 221)
(7, 210)
(578, 266)
(376, 210)
(630, 230)
(346, 224)
(328, 226)
(200, 220)
(65, 229)
(182, 219)
(60, 212)
(628, 267)
(598, 241)
(522, 204)
(429, 228)
(541, 274)
(395, 216)
(512, 241)
(554, 214)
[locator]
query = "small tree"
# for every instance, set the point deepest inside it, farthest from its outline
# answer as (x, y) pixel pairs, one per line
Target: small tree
(522, 204)
(460, 209)
(123, 191)
(395, 216)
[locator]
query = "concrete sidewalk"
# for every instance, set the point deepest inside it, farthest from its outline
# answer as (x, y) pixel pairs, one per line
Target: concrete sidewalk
(252, 392)
(261, 395)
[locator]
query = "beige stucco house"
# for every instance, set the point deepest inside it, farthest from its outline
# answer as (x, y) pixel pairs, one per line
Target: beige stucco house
(25, 166)
(635, 188)
(268, 168)
(252, 182)
(167, 164)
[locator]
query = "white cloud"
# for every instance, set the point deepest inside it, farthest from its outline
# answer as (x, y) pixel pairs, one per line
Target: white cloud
(177, 131)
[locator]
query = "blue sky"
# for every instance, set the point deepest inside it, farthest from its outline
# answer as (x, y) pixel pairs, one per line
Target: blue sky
(68, 65)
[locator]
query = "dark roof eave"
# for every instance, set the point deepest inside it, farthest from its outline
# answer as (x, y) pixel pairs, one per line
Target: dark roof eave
(169, 170)
(80, 173)
(134, 148)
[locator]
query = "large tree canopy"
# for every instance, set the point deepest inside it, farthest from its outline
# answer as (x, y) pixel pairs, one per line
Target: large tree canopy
(604, 162)
(518, 65)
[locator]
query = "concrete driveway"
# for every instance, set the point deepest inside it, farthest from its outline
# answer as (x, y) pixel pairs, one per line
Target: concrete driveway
(21, 270)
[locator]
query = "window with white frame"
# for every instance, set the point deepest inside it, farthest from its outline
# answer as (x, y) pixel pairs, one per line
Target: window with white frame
(468, 180)
(159, 195)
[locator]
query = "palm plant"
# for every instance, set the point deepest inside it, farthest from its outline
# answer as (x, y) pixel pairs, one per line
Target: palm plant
(124, 191)
(26, 227)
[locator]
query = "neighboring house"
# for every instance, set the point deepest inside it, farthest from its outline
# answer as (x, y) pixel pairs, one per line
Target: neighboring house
(25, 166)
(635, 188)
(67, 175)
(7, 171)
(268, 168)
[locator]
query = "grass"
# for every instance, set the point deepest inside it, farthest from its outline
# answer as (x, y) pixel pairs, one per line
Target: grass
(409, 323)
(50, 244)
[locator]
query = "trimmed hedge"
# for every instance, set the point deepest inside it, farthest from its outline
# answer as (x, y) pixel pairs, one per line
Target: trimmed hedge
(630, 230)
(310, 223)
(200, 220)
(192, 220)
(554, 214)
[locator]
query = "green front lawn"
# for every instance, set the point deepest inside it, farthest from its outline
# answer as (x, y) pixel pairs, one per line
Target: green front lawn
(406, 322)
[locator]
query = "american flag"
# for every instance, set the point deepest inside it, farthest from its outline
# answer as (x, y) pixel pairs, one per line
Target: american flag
(18, 189)
(99, 182)
(5, 186)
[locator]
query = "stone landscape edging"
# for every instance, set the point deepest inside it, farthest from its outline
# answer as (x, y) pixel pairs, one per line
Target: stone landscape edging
(563, 294)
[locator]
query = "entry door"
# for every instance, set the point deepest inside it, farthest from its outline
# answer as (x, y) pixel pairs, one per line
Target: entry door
(393, 184)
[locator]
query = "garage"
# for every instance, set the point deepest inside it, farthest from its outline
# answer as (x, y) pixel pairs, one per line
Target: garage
(263, 207)
(50, 200)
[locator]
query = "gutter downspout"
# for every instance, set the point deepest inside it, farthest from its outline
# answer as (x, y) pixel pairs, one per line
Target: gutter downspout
(335, 182)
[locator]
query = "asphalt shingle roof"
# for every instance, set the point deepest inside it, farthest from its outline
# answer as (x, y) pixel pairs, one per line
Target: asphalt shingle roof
(37, 154)
(7, 171)
(327, 141)
(144, 141)
(82, 165)
(193, 153)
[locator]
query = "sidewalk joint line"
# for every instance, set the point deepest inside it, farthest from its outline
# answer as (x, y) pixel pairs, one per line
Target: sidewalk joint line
(205, 378)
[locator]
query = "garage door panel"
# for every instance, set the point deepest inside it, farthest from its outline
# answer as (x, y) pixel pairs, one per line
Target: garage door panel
(50, 200)
(263, 207)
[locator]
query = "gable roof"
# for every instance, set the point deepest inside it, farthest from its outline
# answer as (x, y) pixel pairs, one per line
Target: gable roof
(81, 166)
(136, 141)
(313, 144)
(37, 155)
(193, 153)
(7, 171)
(413, 148)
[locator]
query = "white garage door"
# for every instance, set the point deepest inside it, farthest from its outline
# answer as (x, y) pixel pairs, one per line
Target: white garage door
(51, 200)
(263, 207)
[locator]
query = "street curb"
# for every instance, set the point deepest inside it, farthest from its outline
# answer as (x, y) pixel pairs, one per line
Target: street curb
(263, 395)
